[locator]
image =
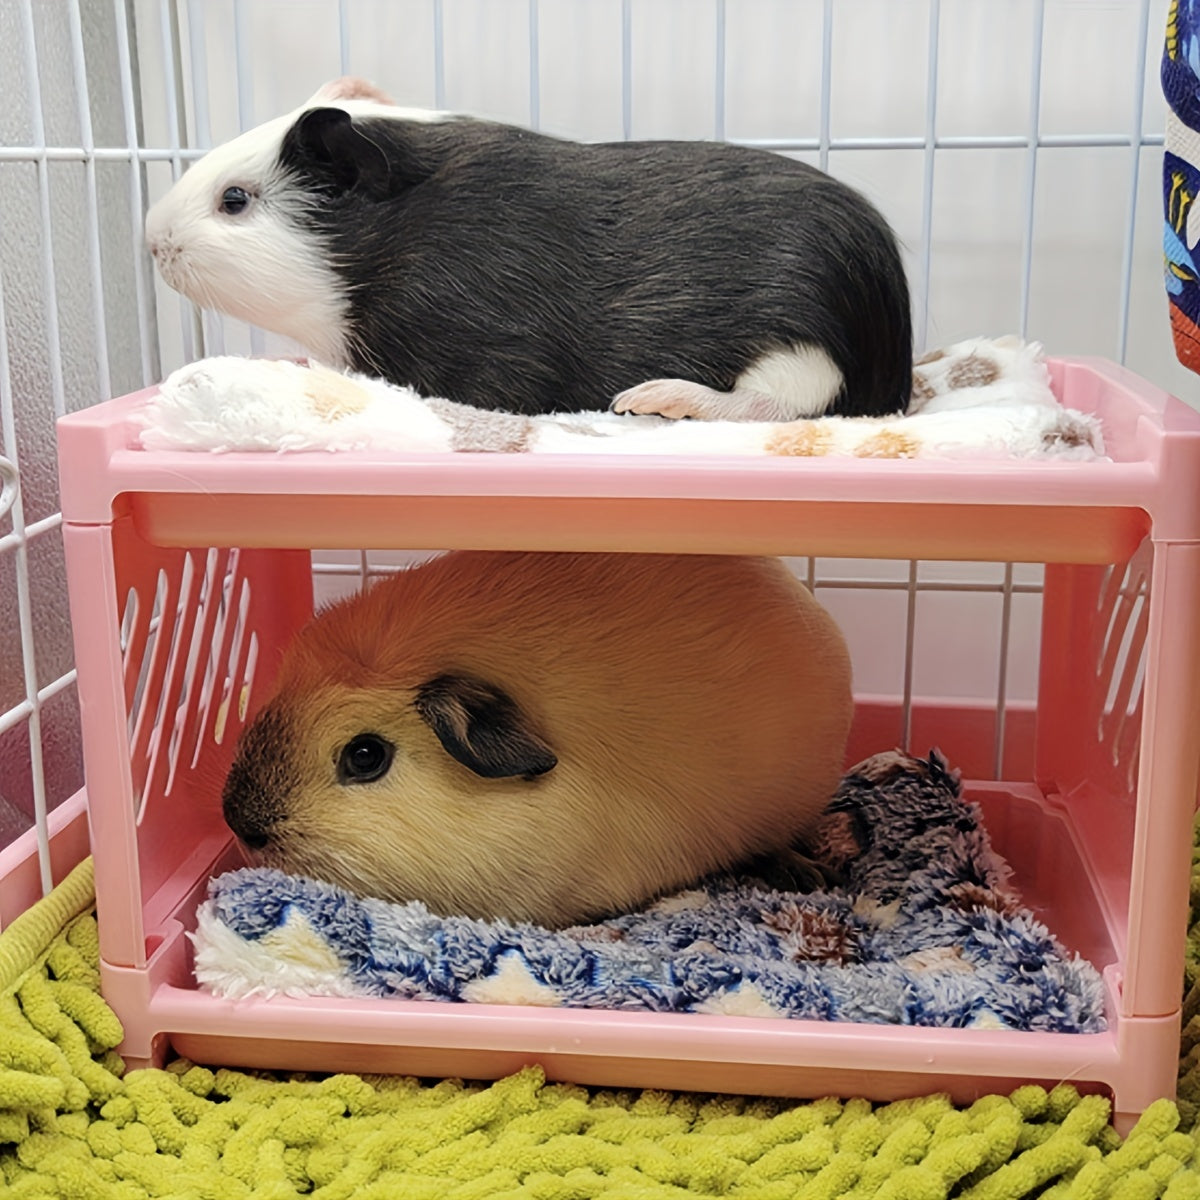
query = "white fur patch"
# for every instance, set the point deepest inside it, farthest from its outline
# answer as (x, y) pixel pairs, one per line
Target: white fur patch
(257, 265)
(252, 404)
(804, 379)
(292, 960)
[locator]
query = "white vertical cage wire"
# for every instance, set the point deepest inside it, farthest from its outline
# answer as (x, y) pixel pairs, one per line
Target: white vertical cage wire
(92, 205)
(439, 55)
(246, 117)
(183, 49)
(205, 329)
(190, 325)
(823, 140)
(147, 340)
(535, 67)
(1031, 149)
(929, 153)
(344, 37)
(627, 69)
(1135, 162)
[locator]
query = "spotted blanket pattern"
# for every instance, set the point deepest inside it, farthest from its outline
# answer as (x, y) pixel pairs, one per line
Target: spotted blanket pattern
(983, 398)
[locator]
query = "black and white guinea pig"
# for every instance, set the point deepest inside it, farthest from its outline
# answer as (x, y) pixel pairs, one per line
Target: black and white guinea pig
(547, 736)
(506, 269)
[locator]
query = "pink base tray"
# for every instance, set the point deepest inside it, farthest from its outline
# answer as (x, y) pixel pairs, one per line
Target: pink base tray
(680, 1051)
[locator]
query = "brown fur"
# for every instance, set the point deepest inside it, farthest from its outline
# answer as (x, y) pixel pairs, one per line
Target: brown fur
(333, 396)
(973, 371)
(698, 708)
(888, 443)
(802, 439)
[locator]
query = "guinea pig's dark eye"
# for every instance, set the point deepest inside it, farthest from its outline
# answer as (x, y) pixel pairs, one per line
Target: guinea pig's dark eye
(364, 759)
(234, 200)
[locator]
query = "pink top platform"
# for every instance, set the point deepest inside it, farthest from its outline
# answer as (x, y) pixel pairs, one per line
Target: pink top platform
(188, 573)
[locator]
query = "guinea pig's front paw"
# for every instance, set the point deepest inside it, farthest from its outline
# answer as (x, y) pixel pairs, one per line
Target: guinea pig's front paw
(673, 398)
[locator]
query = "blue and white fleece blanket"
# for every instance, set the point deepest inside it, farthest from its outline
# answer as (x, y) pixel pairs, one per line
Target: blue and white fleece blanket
(921, 931)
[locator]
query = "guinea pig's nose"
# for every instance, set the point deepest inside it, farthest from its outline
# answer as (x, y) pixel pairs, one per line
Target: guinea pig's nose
(158, 237)
(252, 833)
(254, 800)
(252, 823)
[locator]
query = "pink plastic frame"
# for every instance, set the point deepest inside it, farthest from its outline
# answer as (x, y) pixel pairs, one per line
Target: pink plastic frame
(188, 573)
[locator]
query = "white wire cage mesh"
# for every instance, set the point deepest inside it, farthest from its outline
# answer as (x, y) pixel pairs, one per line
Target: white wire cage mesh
(1014, 148)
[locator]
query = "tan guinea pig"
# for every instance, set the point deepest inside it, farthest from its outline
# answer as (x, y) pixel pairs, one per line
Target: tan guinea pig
(547, 737)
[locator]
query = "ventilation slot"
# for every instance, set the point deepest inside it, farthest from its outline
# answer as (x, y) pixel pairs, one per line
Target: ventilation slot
(189, 660)
(1124, 613)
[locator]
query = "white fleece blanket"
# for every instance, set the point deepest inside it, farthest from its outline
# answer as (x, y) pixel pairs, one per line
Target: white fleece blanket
(983, 398)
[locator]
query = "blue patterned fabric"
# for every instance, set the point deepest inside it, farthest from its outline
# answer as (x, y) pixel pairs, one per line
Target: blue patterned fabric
(1180, 76)
(921, 931)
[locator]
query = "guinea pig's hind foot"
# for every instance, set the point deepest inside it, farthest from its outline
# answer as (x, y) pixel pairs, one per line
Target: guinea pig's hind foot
(679, 398)
(791, 870)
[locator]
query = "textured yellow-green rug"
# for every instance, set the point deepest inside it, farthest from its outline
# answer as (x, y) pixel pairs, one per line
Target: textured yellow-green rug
(73, 1125)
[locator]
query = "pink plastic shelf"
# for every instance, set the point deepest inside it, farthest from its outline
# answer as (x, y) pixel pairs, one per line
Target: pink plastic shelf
(1005, 511)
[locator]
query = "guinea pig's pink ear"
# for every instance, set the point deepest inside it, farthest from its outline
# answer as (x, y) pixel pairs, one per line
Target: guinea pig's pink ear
(325, 145)
(483, 728)
(348, 87)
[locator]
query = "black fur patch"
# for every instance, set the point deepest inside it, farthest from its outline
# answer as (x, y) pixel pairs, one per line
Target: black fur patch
(341, 156)
(510, 270)
(259, 781)
(483, 728)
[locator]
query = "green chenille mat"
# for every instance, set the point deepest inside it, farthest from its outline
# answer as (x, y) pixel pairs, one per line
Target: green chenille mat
(72, 1124)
